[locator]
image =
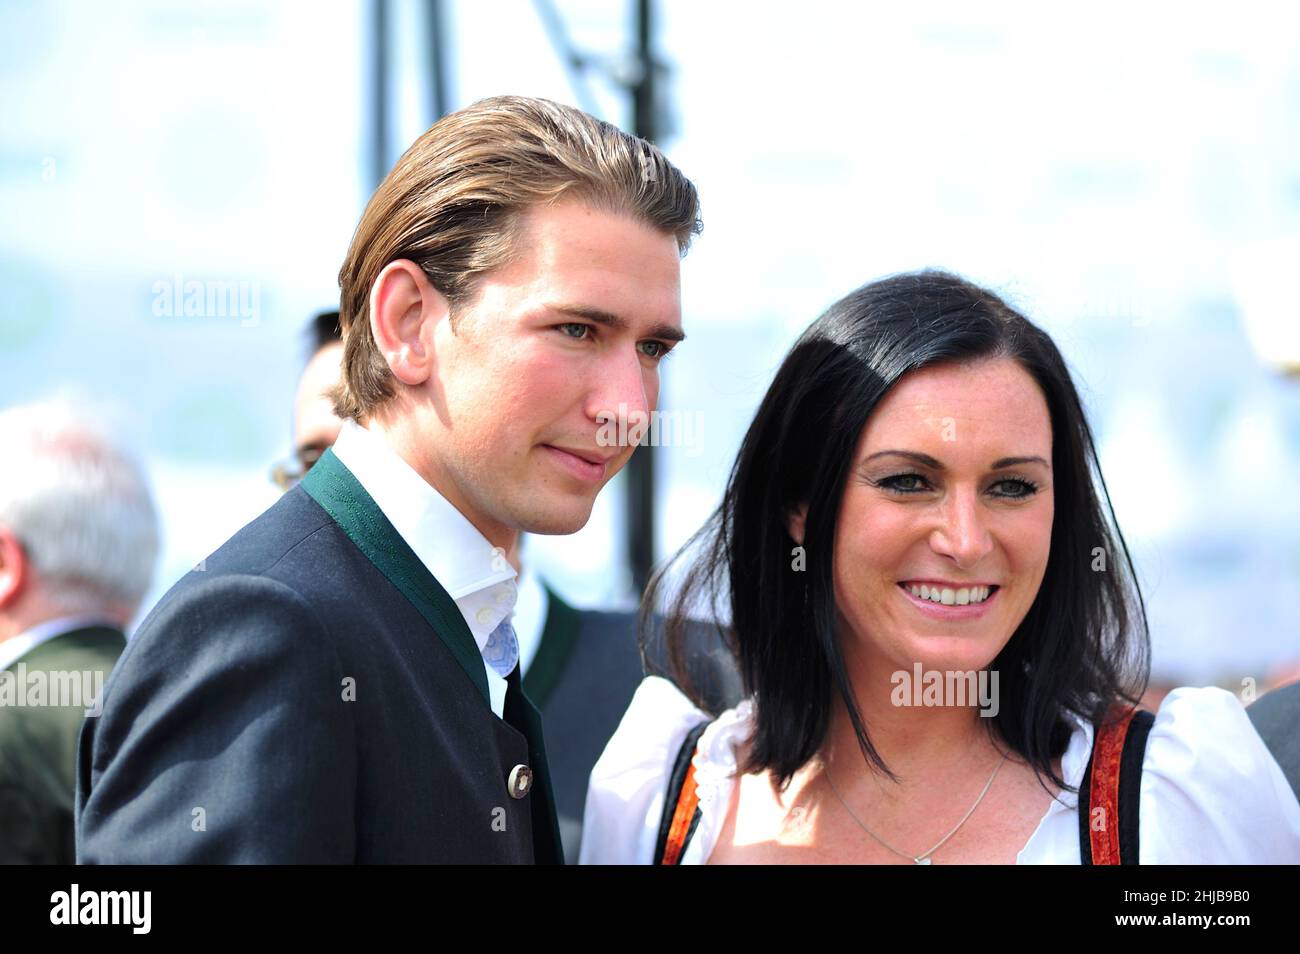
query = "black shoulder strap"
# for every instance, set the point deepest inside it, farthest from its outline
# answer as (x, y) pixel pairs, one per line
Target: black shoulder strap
(1130, 790)
(675, 782)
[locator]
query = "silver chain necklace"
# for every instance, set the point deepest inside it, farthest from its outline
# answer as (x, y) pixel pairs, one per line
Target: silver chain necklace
(924, 858)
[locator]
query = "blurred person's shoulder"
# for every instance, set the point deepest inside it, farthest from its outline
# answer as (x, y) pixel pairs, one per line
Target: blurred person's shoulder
(709, 663)
(1276, 717)
(83, 647)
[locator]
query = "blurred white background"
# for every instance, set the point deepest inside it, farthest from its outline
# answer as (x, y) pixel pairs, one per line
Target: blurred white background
(1130, 178)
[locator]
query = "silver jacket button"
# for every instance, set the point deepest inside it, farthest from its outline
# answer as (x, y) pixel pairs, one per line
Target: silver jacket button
(521, 780)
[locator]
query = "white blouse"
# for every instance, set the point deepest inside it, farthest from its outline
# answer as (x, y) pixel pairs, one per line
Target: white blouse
(1211, 792)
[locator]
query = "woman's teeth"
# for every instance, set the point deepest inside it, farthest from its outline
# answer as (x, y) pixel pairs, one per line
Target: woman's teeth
(950, 597)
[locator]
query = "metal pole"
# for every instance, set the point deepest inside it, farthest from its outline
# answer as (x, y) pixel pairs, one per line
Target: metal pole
(641, 467)
(438, 56)
(379, 92)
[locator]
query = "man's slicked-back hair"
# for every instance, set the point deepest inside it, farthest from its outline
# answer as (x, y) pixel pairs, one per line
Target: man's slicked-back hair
(453, 203)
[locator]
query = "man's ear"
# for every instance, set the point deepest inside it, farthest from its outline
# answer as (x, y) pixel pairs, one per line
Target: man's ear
(404, 308)
(13, 567)
(795, 521)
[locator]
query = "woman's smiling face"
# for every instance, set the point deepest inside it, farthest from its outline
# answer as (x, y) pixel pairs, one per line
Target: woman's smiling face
(968, 502)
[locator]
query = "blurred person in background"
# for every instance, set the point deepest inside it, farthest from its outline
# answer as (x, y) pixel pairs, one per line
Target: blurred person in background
(580, 667)
(78, 542)
(340, 682)
(315, 425)
(1276, 717)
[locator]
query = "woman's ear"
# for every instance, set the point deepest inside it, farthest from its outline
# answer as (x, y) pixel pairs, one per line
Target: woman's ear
(794, 522)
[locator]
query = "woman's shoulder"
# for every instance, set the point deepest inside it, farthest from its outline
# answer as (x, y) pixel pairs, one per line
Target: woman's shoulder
(1211, 790)
(626, 792)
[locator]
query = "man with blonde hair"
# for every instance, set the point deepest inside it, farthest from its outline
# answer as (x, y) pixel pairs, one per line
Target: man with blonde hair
(78, 541)
(340, 682)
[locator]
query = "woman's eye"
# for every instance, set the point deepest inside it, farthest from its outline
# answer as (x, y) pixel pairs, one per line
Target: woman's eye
(1027, 489)
(891, 483)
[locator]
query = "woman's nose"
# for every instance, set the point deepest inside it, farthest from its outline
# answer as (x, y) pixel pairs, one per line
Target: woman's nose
(963, 533)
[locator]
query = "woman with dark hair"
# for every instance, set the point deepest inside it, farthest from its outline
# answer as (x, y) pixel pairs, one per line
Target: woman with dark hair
(938, 627)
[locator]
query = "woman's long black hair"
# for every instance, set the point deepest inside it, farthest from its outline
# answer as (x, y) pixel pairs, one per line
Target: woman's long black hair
(1084, 643)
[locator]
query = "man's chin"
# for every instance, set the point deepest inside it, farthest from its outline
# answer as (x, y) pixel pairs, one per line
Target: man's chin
(562, 519)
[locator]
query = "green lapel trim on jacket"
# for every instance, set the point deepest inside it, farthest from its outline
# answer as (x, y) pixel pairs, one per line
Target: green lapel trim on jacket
(341, 495)
(559, 636)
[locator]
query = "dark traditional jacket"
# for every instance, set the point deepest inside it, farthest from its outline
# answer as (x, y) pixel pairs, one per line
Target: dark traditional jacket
(310, 693)
(38, 741)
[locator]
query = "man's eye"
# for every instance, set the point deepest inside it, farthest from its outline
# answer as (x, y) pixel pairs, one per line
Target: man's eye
(566, 330)
(659, 349)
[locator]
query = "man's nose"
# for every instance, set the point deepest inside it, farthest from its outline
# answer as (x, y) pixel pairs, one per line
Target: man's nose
(963, 532)
(620, 392)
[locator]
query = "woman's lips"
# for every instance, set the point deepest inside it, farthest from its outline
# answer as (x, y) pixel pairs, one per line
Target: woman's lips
(949, 613)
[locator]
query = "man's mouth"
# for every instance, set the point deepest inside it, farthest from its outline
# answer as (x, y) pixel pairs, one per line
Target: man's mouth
(586, 465)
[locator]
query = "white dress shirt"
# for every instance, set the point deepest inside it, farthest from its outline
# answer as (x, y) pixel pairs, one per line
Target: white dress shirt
(477, 576)
(1211, 791)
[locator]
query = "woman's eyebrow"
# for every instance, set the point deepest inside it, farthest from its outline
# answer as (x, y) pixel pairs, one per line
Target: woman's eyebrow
(927, 461)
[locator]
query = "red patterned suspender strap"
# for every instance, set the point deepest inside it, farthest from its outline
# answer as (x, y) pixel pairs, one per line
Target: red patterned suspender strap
(1110, 792)
(1104, 788)
(682, 819)
(681, 803)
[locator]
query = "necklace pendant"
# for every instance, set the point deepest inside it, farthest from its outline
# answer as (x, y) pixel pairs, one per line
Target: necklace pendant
(922, 861)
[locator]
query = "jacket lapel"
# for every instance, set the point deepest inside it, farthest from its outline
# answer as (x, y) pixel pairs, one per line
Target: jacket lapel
(341, 495)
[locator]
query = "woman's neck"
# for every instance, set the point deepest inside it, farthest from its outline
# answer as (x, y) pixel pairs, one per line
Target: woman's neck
(920, 744)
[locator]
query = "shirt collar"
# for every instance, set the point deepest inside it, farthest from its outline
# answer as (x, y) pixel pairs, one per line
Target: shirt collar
(475, 575)
(15, 647)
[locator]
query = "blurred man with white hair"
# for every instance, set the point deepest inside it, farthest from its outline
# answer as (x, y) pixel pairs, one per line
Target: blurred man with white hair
(78, 541)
